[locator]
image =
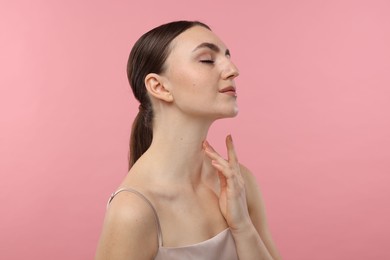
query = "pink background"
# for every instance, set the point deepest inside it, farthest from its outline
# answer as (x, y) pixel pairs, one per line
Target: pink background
(314, 123)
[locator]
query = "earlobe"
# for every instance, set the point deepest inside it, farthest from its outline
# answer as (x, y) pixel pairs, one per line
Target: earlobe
(155, 86)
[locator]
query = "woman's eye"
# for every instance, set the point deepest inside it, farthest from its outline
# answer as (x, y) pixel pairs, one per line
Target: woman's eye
(207, 61)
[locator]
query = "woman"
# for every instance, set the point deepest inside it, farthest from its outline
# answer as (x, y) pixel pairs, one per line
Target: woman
(181, 199)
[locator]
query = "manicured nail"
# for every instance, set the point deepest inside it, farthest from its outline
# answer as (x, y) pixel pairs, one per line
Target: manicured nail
(206, 146)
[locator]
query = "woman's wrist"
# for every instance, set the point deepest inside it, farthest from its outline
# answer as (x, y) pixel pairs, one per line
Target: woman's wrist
(249, 244)
(246, 229)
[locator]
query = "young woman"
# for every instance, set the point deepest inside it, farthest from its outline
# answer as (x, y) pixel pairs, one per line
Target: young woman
(181, 199)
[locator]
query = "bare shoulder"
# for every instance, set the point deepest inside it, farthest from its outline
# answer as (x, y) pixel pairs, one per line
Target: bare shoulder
(253, 193)
(250, 179)
(257, 211)
(129, 225)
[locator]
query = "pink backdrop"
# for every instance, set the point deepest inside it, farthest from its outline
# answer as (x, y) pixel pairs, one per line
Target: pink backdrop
(314, 124)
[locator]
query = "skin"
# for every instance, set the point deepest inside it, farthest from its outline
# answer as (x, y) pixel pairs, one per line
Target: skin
(196, 192)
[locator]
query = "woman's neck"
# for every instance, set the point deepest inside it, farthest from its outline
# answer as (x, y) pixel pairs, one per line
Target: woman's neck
(176, 150)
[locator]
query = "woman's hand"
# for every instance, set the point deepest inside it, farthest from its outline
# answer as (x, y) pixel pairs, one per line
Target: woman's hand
(232, 199)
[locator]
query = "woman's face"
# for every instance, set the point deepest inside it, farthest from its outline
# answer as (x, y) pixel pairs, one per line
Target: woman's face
(200, 75)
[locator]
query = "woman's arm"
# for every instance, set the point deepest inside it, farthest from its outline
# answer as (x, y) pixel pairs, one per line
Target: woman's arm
(129, 230)
(234, 206)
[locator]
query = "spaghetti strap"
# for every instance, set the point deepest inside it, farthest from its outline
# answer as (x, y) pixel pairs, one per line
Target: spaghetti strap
(139, 194)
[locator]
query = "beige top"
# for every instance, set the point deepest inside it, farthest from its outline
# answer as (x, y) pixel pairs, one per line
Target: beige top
(221, 246)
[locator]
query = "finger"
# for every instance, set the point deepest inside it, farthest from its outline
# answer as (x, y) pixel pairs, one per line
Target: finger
(222, 169)
(210, 151)
(222, 180)
(232, 156)
(218, 162)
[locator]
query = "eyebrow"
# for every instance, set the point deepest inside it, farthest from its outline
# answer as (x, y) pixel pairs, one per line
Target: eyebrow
(211, 46)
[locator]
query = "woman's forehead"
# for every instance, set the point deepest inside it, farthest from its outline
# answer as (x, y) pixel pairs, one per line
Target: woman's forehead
(190, 39)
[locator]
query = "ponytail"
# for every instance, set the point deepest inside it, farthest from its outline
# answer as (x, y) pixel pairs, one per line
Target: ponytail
(141, 133)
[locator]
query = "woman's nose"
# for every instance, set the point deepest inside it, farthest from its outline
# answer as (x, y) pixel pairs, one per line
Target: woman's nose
(230, 71)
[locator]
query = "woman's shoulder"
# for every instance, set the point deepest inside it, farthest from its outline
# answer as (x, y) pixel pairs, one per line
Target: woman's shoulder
(257, 211)
(253, 193)
(129, 225)
(249, 177)
(129, 204)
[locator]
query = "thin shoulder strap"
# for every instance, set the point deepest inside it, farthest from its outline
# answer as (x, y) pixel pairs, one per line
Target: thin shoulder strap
(139, 194)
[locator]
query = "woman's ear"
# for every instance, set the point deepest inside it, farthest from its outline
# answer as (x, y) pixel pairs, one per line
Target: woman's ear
(155, 86)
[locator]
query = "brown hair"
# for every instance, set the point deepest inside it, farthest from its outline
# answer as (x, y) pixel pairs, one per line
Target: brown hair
(148, 55)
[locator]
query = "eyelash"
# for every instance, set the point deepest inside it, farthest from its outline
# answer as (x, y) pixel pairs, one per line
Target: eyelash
(207, 61)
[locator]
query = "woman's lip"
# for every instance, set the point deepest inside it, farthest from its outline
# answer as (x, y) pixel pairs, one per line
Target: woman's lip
(228, 89)
(230, 93)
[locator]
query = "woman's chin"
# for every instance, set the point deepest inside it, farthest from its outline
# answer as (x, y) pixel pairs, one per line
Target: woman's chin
(234, 112)
(230, 114)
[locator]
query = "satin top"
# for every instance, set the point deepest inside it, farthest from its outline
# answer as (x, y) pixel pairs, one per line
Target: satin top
(219, 247)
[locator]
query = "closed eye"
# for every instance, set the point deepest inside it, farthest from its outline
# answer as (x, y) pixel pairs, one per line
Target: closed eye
(207, 61)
